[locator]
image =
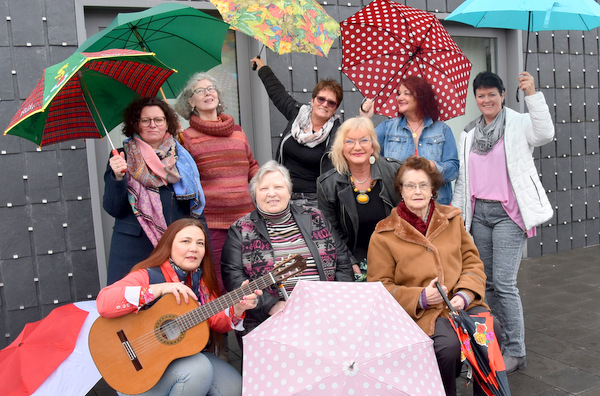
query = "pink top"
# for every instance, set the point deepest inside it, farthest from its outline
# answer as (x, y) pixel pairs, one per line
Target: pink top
(488, 179)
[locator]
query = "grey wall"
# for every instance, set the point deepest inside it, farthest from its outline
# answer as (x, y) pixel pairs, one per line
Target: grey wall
(47, 252)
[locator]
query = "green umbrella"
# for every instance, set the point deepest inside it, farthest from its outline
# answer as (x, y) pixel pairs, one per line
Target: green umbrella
(187, 39)
(85, 95)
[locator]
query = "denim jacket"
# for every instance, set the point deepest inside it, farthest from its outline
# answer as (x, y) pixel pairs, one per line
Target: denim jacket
(436, 143)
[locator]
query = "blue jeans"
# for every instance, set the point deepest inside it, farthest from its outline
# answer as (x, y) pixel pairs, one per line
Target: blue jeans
(500, 242)
(198, 375)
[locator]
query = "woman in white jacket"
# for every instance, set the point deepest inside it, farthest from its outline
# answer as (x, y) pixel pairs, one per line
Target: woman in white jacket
(501, 196)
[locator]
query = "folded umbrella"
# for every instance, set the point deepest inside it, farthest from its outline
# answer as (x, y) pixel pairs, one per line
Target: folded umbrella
(479, 348)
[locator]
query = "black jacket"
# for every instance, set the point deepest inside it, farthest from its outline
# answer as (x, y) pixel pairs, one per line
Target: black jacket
(338, 204)
(289, 107)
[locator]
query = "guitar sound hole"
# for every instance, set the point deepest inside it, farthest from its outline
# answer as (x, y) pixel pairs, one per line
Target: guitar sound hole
(168, 331)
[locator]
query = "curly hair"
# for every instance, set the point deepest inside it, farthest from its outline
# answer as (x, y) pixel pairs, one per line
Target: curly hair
(182, 105)
(427, 105)
(337, 148)
(131, 116)
(331, 85)
(419, 163)
(162, 252)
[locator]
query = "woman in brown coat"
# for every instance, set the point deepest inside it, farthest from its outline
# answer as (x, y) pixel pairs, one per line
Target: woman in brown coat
(418, 244)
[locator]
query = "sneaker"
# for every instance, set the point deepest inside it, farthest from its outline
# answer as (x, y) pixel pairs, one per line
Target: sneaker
(514, 363)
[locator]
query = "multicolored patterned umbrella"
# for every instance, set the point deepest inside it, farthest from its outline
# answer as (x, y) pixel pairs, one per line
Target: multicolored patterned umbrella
(282, 25)
(184, 37)
(386, 41)
(85, 95)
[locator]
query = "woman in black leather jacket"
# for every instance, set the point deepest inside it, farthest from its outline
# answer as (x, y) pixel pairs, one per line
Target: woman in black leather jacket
(359, 191)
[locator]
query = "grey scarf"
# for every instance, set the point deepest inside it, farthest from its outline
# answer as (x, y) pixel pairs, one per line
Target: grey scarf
(486, 136)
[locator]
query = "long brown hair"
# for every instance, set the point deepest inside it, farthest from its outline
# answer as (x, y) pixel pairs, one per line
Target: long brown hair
(162, 252)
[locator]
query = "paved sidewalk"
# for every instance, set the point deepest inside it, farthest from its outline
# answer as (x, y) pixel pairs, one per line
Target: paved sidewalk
(561, 300)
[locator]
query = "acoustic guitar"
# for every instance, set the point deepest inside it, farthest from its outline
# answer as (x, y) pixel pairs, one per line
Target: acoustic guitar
(133, 351)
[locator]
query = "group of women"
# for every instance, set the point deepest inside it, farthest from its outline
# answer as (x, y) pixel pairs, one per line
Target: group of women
(359, 203)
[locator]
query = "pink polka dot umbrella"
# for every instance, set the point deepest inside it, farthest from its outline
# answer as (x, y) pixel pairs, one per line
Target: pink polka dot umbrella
(324, 343)
(385, 42)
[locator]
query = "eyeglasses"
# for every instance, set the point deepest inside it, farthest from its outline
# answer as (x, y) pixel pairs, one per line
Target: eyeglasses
(158, 121)
(330, 103)
(413, 187)
(352, 142)
(201, 91)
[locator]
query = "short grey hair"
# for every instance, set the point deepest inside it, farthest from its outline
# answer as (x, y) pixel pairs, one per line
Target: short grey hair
(268, 167)
(182, 105)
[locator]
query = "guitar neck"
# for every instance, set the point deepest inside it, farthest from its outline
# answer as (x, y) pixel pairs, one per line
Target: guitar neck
(202, 313)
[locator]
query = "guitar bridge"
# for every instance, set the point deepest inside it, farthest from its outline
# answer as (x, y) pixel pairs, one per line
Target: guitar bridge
(129, 350)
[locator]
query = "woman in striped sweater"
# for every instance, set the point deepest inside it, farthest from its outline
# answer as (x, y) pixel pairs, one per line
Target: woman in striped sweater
(223, 156)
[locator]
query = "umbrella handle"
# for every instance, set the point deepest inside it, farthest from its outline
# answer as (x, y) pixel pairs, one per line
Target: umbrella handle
(444, 296)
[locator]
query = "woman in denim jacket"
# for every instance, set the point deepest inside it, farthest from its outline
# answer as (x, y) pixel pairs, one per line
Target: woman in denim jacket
(418, 132)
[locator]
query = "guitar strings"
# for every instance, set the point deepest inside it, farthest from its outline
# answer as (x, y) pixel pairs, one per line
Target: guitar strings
(194, 317)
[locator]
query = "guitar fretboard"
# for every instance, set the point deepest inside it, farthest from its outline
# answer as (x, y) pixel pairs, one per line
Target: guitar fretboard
(213, 307)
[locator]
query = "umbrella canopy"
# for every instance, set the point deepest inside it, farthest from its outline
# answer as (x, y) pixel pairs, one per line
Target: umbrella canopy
(479, 348)
(77, 374)
(323, 344)
(282, 25)
(531, 15)
(39, 350)
(184, 37)
(386, 41)
(85, 95)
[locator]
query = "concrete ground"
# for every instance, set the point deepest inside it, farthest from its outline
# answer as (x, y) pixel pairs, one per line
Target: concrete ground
(561, 300)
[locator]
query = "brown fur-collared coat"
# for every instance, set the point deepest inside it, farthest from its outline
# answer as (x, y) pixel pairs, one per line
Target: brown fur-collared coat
(405, 261)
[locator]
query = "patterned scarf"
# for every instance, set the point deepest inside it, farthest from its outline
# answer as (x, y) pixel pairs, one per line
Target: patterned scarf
(302, 129)
(415, 220)
(486, 136)
(148, 170)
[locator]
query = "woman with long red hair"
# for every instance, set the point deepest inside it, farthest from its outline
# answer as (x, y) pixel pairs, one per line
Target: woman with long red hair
(181, 265)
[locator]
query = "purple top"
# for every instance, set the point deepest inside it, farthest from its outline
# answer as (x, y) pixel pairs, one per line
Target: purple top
(488, 178)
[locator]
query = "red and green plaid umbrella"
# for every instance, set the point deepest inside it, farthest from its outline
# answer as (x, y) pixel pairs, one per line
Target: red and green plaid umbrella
(85, 95)
(282, 25)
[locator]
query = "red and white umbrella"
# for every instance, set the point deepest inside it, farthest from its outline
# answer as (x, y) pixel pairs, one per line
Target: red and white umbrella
(386, 41)
(322, 343)
(51, 356)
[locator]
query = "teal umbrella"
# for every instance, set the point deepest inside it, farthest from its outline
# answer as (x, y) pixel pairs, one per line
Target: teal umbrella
(187, 39)
(529, 15)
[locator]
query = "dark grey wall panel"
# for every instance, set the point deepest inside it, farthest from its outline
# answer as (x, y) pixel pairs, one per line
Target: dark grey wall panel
(85, 274)
(42, 176)
(48, 232)
(79, 227)
(74, 187)
(26, 22)
(19, 283)
(12, 192)
(53, 278)
(15, 241)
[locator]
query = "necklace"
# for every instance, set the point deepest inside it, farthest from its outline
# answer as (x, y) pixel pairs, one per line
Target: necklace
(362, 197)
(414, 134)
(360, 181)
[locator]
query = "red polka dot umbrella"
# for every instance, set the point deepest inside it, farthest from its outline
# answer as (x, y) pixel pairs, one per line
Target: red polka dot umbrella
(385, 42)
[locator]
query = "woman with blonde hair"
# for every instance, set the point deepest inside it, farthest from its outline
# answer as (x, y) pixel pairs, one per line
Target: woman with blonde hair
(359, 191)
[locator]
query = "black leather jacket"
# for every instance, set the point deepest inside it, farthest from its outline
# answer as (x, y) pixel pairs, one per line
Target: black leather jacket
(338, 204)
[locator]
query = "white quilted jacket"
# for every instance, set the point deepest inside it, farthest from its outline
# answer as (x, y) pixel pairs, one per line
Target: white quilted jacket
(523, 132)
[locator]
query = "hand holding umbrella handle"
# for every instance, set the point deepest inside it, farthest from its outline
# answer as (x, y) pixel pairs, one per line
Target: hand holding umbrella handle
(445, 297)
(254, 64)
(115, 152)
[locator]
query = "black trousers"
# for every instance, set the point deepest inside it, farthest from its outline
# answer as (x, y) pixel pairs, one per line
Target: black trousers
(447, 352)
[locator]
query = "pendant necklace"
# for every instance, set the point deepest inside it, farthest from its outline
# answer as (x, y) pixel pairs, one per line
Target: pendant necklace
(362, 197)
(414, 134)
